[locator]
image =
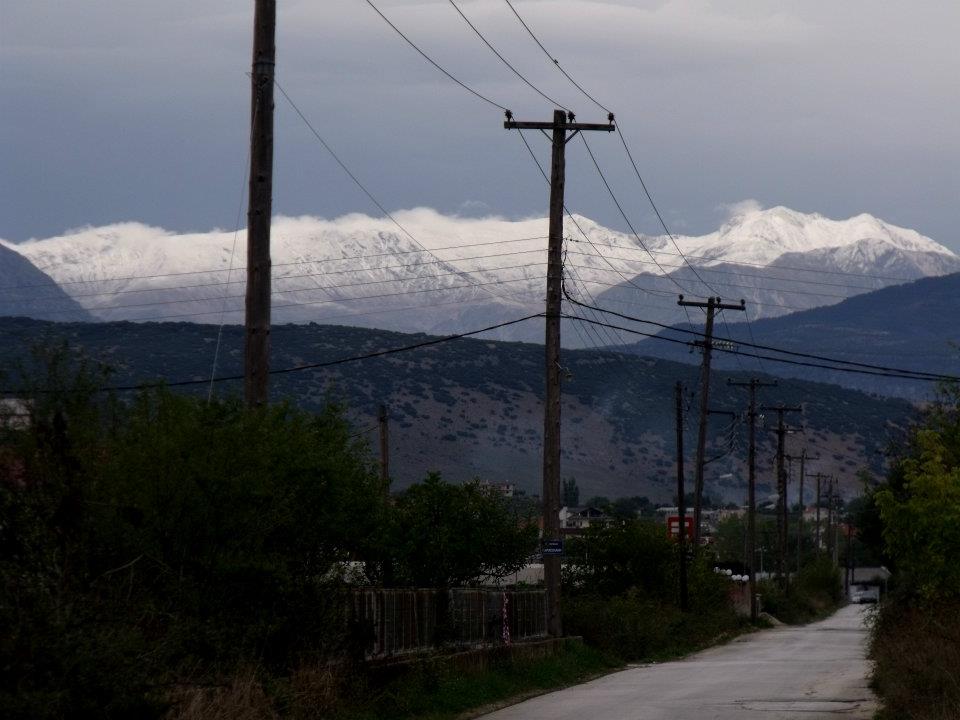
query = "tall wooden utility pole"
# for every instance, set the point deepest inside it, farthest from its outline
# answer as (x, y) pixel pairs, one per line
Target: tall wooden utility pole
(383, 423)
(752, 487)
(783, 504)
(681, 502)
(712, 305)
(560, 127)
(256, 354)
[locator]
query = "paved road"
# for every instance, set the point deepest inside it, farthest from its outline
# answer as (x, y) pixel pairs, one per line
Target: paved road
(817, 671)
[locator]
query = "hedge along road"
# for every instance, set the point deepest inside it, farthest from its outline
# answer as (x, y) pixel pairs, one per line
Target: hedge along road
(786, 673)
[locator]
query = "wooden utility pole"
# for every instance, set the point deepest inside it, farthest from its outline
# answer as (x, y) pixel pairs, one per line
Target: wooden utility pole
(681, 501)
(803, 460)
(752, 486)
(819, 477)
(256, 356)
(383, 422)
(782, 503)
(830, 520)
(712, 305)
(562, 128)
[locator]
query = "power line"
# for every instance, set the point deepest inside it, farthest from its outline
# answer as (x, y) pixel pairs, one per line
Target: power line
(769, 348)
(505, 61)
(212, 271)
(299, 368)
(855, 371)
(556, 62)
(434, 63)
(459, 273)
(168, 288)
(514, 298)
(350, 173)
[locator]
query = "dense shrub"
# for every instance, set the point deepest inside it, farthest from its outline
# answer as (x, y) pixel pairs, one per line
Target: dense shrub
(916, 654)
(817, 590)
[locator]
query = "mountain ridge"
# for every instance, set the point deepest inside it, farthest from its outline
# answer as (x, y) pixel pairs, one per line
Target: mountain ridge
(437, 273)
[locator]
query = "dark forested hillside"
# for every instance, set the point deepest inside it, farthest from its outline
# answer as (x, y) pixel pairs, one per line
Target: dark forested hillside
(473, 407)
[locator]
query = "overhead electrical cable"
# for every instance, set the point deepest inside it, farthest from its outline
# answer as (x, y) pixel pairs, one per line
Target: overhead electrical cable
(434, 62)
(302, 367)
(770, 348)
(556, 63)
(504, 60)
(296, 276)
(212, 271)
(858, 371)
(350, 173)
(458, 273)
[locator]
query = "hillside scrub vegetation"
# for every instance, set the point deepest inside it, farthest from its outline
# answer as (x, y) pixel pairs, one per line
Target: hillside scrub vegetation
(914, 520)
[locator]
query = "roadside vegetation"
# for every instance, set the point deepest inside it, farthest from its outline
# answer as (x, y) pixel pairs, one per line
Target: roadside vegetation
(913, 519)
(165, 556)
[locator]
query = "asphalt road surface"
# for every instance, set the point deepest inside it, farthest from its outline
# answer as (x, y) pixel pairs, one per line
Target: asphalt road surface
(787, 673)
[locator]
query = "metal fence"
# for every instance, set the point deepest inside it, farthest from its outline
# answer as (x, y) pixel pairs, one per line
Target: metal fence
(398, 622)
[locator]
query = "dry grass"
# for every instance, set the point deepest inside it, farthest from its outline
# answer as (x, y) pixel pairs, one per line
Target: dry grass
(242, 698)
(917, 661)
(315, 691)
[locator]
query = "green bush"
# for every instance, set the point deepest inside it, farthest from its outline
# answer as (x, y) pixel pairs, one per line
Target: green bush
(817, 590)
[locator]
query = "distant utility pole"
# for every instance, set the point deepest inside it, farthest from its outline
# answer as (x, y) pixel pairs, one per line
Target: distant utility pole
(819, 476)
(560, 127)
(752, 487)
(681, 501)
(256, 354)
(782, 503)
(382, 421)
(830, 520)
(712, 305)
(803, 461)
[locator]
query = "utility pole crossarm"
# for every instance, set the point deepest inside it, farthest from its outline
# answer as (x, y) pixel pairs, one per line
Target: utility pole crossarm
(716, 302)
(571, 126)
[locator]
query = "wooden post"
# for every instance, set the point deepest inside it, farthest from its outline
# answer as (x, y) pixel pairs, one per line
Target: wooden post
(712, 305)
(783, 572)
(752, 488)
(550, 491)
(681, 501)
(382, 421)
(256, 369)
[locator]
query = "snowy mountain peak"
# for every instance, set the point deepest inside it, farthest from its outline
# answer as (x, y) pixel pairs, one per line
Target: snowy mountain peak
(424, 271)
(755, 235)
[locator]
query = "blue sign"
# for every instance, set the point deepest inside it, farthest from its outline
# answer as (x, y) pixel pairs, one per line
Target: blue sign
(551, 547)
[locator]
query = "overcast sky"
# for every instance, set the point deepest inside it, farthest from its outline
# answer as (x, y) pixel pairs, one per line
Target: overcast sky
(115, 110)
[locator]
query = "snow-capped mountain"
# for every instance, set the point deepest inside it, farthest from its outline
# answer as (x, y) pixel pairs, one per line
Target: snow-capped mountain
(434, 273)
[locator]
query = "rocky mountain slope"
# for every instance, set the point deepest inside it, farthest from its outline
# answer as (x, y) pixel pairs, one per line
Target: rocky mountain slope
(27, 291)
(473, 407)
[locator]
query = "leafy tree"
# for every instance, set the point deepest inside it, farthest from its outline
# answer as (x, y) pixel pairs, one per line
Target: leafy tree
(444, 535)
(571, 492)
(922, 530)
(635, 555)
(629, 508)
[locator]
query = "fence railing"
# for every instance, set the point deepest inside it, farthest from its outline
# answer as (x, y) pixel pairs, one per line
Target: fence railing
(398, 622)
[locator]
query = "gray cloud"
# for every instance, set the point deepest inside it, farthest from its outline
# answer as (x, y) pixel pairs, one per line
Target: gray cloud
(137, 110)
